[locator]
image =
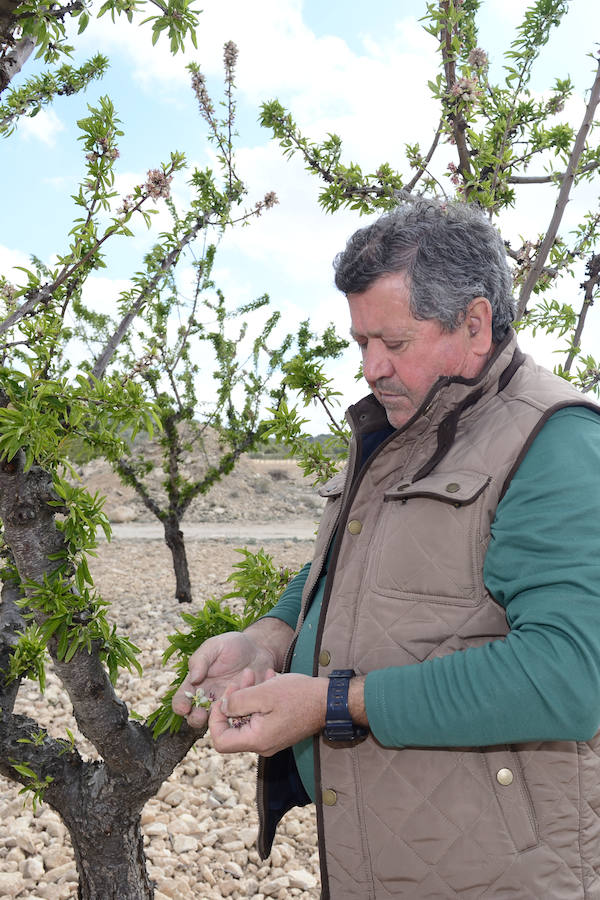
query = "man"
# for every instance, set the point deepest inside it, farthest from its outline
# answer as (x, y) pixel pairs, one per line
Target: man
(456, 586)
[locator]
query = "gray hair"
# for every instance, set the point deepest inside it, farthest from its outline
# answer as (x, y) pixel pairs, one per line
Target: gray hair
(450, 253)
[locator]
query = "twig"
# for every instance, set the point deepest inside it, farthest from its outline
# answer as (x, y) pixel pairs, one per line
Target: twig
(166, 263)
(589, 285)
(423, 168)
(563, 196)
(546, 179)
(458, 121)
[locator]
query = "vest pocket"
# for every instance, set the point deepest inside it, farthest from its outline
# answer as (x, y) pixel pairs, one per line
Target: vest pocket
(429, 539)
(512, 796)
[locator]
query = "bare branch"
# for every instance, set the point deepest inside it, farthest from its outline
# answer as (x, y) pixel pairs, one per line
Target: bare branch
(166, 263)
(563, 197)
(129, 474)
(589, 286)
(459, 124)
(555, 176)
(514, 254)
(423, 167)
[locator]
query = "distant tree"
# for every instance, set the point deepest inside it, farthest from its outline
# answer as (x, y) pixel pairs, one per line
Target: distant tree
(179, 366)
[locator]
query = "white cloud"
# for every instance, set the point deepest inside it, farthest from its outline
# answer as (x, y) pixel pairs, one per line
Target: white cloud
(9, 259)
(44, 127)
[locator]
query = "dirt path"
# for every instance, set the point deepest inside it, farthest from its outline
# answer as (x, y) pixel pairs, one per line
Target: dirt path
(294, 529)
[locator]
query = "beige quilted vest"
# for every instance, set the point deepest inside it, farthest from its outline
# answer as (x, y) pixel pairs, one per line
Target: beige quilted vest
(421, 823)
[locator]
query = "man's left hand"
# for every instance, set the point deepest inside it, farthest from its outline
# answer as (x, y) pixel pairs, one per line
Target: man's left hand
(282, 710)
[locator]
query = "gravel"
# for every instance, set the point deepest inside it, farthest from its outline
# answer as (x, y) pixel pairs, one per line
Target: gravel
(200, 830)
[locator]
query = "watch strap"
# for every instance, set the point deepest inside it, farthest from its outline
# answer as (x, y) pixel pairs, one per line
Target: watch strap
(338, 721)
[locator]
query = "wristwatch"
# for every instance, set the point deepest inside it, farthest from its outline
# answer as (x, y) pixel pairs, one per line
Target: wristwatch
(338, 722)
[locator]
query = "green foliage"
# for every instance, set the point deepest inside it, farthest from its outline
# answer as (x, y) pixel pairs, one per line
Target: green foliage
(44, 21)
(28, 658)
(496, 132)
(259, 583)
(38, 91)
(35, 787)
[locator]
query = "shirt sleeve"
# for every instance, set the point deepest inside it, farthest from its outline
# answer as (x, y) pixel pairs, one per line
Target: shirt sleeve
(542, 682)
(288, 606)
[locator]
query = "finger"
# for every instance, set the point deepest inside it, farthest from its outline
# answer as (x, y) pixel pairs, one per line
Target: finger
(247, 678)
(197, 717)
(198, 666)
(246, 701)
(227, 739)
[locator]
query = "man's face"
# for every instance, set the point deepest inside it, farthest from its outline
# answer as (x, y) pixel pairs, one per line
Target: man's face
(403, 356)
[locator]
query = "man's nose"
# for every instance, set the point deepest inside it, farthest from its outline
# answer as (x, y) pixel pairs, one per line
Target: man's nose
(376, 361)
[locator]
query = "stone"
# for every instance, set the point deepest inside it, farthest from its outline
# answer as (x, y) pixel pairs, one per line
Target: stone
(11, 884)
(25, 842)
(271, 886)
(60, 874)
(33, 868)
(300, 878)
(156, 828)
(207, 875)
(248, 836)
(175, 798)
(248, 887)
(55, 856)
(233, 869)
(183, 843)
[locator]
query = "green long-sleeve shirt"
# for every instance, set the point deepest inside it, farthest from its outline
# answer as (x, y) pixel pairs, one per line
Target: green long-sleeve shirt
(543, 566)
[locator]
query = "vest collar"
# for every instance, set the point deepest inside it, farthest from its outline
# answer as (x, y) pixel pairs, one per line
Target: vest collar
(449, 394)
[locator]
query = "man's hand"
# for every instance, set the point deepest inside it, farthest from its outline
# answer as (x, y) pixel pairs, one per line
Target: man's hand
(221, 660)
(283, 709)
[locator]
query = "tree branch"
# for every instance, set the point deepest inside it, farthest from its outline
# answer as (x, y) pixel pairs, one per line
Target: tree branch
(31, 533)
(459, 124)
(14, 60)
(129, 474)
(563, 197)
(546, 179)
(592, 282)
(423, 168)
(166, 263)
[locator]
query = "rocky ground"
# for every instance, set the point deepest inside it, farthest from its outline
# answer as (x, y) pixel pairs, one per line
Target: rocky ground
(199, 832)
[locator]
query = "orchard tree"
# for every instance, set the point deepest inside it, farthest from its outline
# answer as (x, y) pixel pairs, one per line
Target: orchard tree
(211, 345)
(50, 611)
(506, 141)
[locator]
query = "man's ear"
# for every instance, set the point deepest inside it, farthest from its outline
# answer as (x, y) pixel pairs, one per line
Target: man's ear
(478, 321)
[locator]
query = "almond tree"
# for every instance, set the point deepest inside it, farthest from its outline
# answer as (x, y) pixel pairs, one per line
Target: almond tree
(505, 140)
(50, 611)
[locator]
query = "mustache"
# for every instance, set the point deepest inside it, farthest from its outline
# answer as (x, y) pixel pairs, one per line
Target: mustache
(388, 386)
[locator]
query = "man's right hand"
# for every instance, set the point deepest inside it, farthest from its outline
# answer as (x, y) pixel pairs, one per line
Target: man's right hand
(221, 660)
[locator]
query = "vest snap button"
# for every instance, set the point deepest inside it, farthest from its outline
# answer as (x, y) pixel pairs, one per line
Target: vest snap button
(324, 658)
(504, 777)
(329, 797)
(453, 487)
(354, 526)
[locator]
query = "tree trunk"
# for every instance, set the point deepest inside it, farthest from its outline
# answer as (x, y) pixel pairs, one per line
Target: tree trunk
(175, 543)
(111, 865)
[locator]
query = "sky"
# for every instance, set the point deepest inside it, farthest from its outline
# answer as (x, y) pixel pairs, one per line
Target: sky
(345, 67)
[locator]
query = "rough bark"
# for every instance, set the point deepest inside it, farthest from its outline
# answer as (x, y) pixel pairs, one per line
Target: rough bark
(100, 802)
(11, 621)
(175, 543)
